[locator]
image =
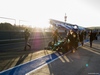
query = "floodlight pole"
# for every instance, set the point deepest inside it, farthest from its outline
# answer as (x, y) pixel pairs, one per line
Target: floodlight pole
(65, 17)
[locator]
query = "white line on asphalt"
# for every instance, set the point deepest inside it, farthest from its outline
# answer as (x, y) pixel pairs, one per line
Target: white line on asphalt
(49, 62)
(45, 64)
(24, 63)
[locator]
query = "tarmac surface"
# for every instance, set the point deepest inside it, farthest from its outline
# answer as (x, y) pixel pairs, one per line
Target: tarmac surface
(85, 61)
(13, 54)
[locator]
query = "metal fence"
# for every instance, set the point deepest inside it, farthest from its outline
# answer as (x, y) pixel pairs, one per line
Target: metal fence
(9, 35)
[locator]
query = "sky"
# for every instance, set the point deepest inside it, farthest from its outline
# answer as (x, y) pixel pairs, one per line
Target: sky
(37, 13)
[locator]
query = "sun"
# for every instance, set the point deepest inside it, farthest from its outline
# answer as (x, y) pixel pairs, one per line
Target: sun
(41, 25)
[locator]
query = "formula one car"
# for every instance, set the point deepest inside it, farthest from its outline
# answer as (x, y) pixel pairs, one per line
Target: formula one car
(61, 45)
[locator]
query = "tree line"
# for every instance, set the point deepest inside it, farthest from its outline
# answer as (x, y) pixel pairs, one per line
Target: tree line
(9, 27)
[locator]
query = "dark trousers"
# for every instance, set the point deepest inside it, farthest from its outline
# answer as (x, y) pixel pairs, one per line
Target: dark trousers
(82, 43)
(90, 43)
(26, 44)
(55, 39)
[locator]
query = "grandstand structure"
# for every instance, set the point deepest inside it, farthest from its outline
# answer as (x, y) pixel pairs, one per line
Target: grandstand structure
(62, 26)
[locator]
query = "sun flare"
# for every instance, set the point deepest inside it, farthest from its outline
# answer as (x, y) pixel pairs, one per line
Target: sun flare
(40, 24)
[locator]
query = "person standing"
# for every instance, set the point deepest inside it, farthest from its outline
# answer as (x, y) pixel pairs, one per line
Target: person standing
(72, 37)
(81, 37)
(75, 40)
(55, 36)
(91, 38)
(27, 35)
(84, 34)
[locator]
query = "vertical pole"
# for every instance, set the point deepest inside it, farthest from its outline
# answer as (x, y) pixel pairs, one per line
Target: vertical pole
(65, 17)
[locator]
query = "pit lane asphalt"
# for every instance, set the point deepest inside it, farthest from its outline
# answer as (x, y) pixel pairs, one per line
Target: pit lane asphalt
(85, 61)
(54, 73)
(13, 54)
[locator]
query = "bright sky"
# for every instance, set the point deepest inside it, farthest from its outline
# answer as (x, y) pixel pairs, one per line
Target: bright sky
(85, 13)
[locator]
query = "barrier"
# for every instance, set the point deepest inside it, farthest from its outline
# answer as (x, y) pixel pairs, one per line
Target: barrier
(6, 36)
